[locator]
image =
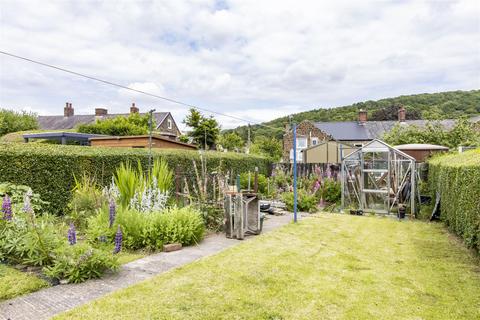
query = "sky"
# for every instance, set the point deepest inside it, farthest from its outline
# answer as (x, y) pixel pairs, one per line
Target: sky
(255, 60)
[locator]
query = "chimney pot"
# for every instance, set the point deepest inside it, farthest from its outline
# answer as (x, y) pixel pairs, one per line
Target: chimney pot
(68, 110)
(99, 112)
(133, 109)
(401, 114)
(362, 116)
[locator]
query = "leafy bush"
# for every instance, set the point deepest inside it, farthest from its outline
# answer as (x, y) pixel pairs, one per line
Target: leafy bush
(457, 178)
(305, 201)
(80, 262)
(50, 169)
(86, 200)
(149, 230)
(18, 192)
(462, 134)
(29, 240)
(213, 216)
(262, 182)
(41, 241)
(13, 121)
(131, 125)
(331, 191)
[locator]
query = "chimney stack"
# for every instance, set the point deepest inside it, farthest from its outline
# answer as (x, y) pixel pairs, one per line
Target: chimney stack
(100, 112)
(133, 109)
(401, 114)
(68, 110)
(362, 116)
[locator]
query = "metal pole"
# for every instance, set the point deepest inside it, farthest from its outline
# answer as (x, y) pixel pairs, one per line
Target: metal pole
(150, 125)
(294, 172)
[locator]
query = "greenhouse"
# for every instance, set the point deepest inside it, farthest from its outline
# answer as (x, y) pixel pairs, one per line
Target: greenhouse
(378, 178)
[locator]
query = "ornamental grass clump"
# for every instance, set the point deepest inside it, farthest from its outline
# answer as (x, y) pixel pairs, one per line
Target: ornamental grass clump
(7, 208)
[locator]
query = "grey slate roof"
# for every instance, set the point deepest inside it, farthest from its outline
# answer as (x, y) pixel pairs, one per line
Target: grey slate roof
(354, 131)
(61, 122)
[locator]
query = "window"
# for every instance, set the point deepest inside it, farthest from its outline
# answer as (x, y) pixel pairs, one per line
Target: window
(314, 141)
(358, 145)
(299, 155)
(169, 123)
(301, 142)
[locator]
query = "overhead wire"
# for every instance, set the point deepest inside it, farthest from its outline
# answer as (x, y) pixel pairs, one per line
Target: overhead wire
(133, 89)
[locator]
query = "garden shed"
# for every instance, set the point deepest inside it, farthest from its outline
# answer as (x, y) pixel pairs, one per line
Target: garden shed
(378, 178)
(327, 152)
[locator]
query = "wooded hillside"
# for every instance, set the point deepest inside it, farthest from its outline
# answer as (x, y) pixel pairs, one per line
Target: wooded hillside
(442, 105)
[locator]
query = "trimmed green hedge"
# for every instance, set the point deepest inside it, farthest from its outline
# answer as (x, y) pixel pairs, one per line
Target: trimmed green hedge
(49, 169)
(457, 178)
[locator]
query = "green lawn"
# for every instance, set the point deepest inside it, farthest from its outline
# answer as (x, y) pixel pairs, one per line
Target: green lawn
(15, 283)
(325, 267)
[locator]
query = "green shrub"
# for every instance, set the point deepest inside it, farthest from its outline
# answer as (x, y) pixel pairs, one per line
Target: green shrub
(131, 125)
(50, 169)
(17, 194)
(262, 182)
(305, 201)
(149, 230)
(80, 262)
(87, 198)
(30, 240)
(457, 178)
(331, 191)
(13, 121)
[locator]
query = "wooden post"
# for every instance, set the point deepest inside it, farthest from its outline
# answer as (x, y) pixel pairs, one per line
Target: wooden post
(255, 182)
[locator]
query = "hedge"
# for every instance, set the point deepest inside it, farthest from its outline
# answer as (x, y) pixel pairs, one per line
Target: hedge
(457, 178)
(50, 169)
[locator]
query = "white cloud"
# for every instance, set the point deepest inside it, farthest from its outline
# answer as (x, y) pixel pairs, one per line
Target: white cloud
(242, 57)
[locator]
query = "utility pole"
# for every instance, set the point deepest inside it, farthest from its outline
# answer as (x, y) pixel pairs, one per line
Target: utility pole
(294, 129)
(150, 129)
(248, 142)
(205, 139)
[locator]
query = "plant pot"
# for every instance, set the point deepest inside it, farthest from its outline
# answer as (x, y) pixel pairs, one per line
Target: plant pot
(401, 212)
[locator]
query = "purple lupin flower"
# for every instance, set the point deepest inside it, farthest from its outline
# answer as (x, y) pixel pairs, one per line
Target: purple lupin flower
(112, 212)
(118, 240)
(72, 234)
(7, 208)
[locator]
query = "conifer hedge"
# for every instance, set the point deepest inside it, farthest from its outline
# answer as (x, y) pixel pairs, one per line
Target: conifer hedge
(50, 169)
(457, 178)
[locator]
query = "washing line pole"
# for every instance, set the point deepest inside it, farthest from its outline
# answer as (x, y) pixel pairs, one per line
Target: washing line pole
(150, 129)
(294, 129)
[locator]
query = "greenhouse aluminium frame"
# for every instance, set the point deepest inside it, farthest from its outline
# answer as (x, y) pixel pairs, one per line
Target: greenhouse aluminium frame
(378, 177)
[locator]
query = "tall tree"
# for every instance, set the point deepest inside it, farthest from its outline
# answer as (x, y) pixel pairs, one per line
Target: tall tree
(205, 130)
(230, 141)
(267, 146)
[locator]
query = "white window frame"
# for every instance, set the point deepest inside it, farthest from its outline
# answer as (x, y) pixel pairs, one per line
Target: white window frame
(302, 139)
(314, 141)
(169, 123)
(299, 155)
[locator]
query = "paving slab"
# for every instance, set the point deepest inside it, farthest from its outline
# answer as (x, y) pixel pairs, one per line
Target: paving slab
(51, 301)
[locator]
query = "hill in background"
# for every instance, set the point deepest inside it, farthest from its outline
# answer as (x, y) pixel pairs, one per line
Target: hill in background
(429, 106)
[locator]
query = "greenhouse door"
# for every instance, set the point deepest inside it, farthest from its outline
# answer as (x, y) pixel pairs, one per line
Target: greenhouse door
(376, 181)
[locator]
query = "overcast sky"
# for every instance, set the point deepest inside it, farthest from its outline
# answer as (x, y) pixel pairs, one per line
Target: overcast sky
(256, 60)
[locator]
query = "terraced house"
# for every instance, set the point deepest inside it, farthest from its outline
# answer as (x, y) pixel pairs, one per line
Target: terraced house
(164, 122)
(351, 133)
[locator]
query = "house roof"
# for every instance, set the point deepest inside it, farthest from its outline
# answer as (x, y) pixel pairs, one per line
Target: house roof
(369, 130)
(62, 122)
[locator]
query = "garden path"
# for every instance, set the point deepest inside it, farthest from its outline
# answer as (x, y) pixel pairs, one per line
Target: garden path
(48, 302)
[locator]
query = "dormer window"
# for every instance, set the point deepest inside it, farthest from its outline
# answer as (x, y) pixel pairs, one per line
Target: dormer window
(169, 123)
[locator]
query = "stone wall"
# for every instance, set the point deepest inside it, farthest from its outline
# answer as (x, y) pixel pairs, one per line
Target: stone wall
(307, 129)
